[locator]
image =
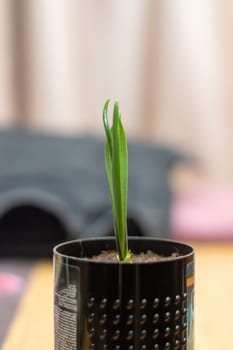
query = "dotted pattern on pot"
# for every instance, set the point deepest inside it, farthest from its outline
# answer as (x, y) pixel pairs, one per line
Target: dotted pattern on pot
(158, 324)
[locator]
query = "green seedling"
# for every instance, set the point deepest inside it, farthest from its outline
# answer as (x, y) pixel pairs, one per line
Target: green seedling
(116, 163)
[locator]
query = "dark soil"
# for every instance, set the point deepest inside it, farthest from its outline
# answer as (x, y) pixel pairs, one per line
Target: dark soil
(149, 256)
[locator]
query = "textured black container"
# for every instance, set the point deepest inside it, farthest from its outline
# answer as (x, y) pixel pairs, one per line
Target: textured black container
(122, 306)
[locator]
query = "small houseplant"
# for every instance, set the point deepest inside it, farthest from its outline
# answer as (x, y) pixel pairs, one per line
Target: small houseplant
(122, 294)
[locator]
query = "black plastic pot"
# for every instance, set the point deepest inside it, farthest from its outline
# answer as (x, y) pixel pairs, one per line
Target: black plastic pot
(123, 306)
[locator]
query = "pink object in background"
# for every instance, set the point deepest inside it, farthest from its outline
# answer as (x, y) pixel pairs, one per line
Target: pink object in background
(10, 284)
(205, 213)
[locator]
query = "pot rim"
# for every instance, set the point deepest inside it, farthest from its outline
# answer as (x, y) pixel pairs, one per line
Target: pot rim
(131, 238)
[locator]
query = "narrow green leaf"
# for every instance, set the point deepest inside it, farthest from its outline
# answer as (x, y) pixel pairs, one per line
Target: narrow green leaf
(108, 167)
(120, 179)
(116, 163)
(108, 149)
(106, 126)
(123, 154)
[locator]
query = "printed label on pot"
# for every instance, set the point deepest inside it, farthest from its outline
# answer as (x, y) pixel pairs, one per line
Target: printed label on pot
(190, 303)
(67, 296)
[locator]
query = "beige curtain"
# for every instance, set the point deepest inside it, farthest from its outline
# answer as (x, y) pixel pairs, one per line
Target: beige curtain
(168, 62)
(8, 101)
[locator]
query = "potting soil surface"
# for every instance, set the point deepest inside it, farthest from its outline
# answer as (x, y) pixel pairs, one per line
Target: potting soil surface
(147, 257)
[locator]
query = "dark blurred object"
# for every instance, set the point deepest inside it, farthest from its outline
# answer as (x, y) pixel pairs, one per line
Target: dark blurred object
(54, 189)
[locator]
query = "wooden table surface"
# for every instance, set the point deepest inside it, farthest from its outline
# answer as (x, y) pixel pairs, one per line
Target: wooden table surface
(32, 328)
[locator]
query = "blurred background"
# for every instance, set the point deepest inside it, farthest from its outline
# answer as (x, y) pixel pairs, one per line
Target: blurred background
(168, 63)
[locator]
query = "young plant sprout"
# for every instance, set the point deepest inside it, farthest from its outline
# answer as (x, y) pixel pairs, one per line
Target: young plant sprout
(116, 163)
